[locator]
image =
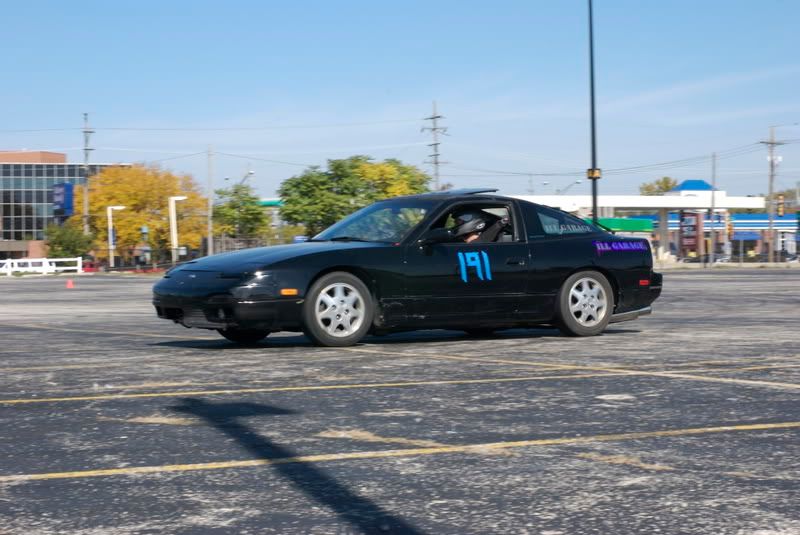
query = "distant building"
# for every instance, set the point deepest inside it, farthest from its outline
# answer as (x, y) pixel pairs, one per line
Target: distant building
(26, 197)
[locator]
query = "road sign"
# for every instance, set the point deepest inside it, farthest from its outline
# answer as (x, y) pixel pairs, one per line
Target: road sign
(63, 199)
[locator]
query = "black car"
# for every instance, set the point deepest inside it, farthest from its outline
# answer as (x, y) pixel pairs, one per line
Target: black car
(464, 259)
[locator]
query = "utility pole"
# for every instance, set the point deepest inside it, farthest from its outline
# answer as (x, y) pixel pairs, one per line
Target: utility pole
(593, 174)
(773, 161)
(713, 247)
(210, 210)
(435, 129)
(87, 133)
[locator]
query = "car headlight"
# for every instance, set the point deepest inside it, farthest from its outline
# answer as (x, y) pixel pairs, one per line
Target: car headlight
(256, 278)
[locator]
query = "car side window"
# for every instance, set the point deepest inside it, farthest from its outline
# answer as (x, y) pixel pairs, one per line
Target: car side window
(499, 218)
(541, 221)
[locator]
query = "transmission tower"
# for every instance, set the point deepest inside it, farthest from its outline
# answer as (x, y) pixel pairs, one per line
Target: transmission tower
(87, 134)
(435, 130)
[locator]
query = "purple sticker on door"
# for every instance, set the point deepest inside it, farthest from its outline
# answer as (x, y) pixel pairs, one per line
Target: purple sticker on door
(606, 246)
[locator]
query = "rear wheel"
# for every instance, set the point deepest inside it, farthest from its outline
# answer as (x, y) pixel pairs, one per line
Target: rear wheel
(585, 304)
(243, 336)
(337, 310)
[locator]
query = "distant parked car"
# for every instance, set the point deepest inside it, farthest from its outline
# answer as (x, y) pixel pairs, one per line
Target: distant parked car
(719, 258)
(780, 256)
(90, 266)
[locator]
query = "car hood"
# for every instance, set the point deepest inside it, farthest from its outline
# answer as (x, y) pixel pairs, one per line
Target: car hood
(248, 259)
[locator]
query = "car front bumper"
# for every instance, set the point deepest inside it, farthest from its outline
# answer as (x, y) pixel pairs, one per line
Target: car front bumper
(225, 312)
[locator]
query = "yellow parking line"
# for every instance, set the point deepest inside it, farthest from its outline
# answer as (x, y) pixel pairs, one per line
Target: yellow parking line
(56, 368)
(299, 388)
(113, 333)
(604, 372)
(622, 371)
(412, 452)
(762, 367)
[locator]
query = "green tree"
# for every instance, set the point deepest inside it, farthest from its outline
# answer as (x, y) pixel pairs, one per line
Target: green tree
(658, 187)
(67, 241)
(239, 212)
(318, 198)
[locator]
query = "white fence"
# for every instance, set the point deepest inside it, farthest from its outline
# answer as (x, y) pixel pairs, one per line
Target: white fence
(44, 266)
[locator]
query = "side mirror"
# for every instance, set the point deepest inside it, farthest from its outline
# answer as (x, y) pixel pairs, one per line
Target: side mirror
(436, 235)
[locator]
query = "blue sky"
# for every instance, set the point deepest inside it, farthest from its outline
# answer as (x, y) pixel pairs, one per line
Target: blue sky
(328, 79)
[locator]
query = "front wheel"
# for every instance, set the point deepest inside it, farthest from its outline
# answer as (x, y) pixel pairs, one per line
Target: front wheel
(338, 310)
(585, 304)
(243, 336)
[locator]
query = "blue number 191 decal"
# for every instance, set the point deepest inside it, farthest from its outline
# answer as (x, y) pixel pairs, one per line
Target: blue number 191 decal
(478, 261)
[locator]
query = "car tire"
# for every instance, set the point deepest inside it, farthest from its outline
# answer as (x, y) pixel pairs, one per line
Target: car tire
(243, 336)
(585, 304)
(338, 310)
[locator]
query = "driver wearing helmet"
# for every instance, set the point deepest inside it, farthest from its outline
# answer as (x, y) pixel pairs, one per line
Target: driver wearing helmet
(474, 225)
(469, 224)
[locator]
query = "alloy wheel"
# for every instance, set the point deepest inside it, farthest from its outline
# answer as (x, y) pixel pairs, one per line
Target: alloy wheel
(588, 302)
(340, 309)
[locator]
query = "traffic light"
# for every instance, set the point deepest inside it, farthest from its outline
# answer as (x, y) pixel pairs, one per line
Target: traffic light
(781, 205)
(729, 226)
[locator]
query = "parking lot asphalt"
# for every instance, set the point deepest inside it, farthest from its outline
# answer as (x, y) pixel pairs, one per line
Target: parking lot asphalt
(687, 421)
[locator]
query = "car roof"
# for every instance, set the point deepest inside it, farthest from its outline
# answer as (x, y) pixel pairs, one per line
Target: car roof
(464, 193)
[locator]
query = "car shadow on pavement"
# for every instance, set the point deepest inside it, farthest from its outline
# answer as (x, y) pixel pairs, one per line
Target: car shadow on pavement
(359, 512)
(411, 337)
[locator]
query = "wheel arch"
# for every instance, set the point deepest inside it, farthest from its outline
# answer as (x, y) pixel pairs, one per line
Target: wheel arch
(361, 273)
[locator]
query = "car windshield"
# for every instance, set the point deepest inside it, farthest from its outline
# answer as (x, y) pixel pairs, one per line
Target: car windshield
(385, 221)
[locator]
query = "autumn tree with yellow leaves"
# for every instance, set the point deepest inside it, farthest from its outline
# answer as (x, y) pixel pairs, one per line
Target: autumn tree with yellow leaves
(144, 191)
(318, 198)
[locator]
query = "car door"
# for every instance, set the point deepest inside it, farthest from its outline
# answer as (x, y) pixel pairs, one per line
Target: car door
(559, 243)
(456, 282)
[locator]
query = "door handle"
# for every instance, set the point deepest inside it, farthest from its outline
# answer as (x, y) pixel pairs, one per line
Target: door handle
(515, 262)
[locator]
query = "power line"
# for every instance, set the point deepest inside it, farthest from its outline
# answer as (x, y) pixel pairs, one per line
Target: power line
(672, 164)
(219, 129)
(245, 157)
(18, 131)
(175, 157)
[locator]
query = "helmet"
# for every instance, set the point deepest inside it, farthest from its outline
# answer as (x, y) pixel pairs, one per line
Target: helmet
(469, 221)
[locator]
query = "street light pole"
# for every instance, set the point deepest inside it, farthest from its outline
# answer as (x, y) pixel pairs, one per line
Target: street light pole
(563, 191)
(210, 207)
(111, 238)
(713, 218)
(773, 161)
(593, 174)
(173, 226)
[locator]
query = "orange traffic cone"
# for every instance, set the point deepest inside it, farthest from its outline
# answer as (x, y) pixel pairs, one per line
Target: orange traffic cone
(70, 284)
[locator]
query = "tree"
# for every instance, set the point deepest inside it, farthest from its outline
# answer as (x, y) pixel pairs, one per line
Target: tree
(67, 240)
(144, 192)
(318, 198)
(658, 187)
(239, 213)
